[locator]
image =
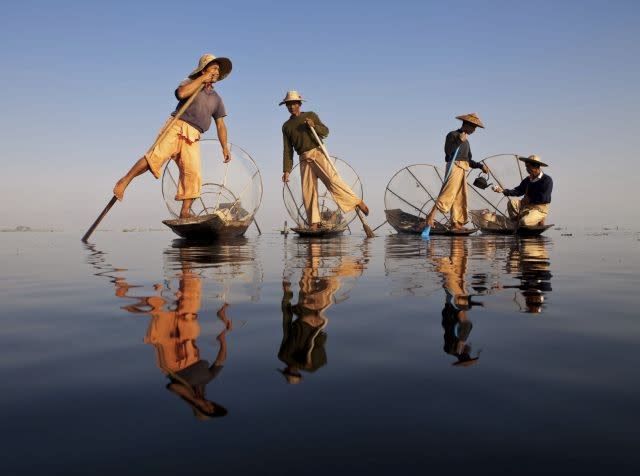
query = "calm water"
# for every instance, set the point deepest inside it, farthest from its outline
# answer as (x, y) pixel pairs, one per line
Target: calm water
(344, 356)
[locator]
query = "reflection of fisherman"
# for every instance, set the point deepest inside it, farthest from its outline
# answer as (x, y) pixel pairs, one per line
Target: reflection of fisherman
(531, 259)
(303, 339)
(456, 325)
(173, 333)
(533, 208)
(313, 163)
(453, 195)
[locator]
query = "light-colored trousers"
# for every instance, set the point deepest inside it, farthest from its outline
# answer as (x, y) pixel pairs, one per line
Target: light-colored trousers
(453, 195)
(313, 166)
(182, 145)
(528, 215)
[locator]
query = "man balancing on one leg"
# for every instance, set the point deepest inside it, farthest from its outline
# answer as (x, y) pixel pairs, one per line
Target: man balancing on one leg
(313, 163)
(181, 142)
(453, 195)
(533, 208)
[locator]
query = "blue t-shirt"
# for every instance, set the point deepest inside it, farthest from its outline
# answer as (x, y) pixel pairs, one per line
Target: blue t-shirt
(207, 104)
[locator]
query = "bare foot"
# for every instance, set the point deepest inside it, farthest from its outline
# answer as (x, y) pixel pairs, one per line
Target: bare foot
(363, 208)
(186, 215)
(313, 227)
(119, 189)
(429, 220)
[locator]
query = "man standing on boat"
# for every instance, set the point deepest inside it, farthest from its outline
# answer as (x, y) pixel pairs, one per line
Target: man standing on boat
(453, 195)
(533, 208)
(181, 143)
(296, 134)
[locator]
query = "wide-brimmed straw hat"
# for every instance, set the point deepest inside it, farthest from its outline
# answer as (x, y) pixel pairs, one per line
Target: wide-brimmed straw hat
(205, 59)
(291, 96)
(533, 159)
(472, 119)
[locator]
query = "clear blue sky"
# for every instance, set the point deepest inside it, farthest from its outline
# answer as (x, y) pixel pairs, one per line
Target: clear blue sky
(86, 86)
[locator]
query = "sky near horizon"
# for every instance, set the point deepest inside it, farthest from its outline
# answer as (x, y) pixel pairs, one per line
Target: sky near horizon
(87, 85)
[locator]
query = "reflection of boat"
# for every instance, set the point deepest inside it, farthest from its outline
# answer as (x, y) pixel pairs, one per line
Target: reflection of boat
(404, 222)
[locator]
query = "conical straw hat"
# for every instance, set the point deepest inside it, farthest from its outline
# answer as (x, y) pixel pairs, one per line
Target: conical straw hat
(472, 118)
(533, 159)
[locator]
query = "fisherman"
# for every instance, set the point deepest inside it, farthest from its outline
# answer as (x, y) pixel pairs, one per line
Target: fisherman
(296, 134)
(533, 208)
(453, 195)
(181, 142)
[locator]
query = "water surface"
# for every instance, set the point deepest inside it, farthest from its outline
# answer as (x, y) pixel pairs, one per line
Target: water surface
(140, 353)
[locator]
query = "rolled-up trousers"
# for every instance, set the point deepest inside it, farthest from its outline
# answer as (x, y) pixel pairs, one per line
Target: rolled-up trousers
(453, 195)
(313, 166)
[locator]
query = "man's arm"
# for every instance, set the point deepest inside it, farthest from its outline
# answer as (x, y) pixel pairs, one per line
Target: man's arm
(516, 192)
(222, 137)
(188, 87)
(287, 156)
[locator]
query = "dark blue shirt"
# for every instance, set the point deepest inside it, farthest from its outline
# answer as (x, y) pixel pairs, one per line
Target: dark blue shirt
(452, 142)
(538, 192)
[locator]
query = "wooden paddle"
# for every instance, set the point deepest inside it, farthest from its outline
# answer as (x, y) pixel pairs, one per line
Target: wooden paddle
(161, 136)
(367, 228)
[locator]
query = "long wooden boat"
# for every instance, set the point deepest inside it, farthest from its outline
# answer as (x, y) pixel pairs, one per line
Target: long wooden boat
(207, 227)
(321, 232)
(522, 230)
(407, 223)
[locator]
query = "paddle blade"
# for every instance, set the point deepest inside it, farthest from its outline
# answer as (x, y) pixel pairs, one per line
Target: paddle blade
(425, 232)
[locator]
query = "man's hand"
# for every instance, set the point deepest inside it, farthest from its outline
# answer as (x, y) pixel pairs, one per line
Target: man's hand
(485, 168)
(285, 177)
(497, 189)
(463, 136)
(310, 123)
(226, 153)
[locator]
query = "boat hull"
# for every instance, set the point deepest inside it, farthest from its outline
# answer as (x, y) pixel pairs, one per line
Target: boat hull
(207, 227)
(409, 224)
(522, 230)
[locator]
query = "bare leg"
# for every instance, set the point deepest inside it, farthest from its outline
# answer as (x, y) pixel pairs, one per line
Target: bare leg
(363, 208)
(140, 167)
(185, 212)
(430, 217)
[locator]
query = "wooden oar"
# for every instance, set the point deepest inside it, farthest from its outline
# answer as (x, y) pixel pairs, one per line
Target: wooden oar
(161, 136)
(367, 228)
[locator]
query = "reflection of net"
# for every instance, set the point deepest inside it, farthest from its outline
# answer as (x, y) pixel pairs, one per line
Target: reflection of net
(233, 191)
(488, 209)
(331, 215)
(229, 269)
(410, 195)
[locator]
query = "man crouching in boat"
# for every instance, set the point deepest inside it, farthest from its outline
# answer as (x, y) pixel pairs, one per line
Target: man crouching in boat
(296, 134)
(533, 208)
(181, 143)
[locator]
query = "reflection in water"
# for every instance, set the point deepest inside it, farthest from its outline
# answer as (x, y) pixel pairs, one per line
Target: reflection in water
(455, 322)
(529, 258)
(406, 267)
(176, 310)
(322, 265)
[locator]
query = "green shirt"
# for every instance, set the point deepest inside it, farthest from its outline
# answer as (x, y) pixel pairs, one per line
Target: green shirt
(296, 135)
